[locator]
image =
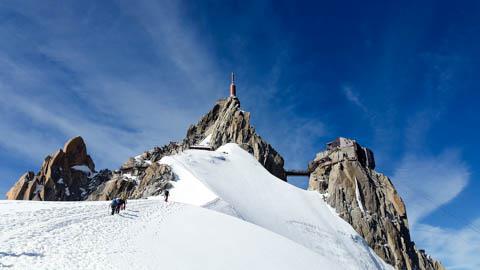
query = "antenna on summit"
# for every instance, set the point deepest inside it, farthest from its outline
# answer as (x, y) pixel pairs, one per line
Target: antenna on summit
(233, 88)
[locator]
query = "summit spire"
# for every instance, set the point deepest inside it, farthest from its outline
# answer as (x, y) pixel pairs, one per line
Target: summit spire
(233, 88)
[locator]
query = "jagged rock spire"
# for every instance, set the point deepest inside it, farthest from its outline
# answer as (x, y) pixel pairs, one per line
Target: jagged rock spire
(227, 123)
(67, 175)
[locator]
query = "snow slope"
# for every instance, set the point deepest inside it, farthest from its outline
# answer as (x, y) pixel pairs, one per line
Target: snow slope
(245, 189)
(269, 225)
(150, 234)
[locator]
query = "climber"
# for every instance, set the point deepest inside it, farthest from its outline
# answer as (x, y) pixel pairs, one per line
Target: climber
(120, 205)
(114, 205)
(166, 193)
(124, 204)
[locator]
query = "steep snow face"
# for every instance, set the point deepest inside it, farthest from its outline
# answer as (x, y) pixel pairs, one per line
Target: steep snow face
(238, 182)
(150, 234)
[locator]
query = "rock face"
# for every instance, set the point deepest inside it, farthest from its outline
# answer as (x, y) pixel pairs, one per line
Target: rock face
(140, 182)
(226, 123)
(366, 199)
(141, 176)
(156, 179)
(117, 186)
(67, 175)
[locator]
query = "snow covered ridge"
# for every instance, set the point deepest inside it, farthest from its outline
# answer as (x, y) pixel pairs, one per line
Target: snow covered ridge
(231, 181)
(270, 225)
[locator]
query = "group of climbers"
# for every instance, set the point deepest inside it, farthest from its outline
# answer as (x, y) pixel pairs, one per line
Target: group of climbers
(118, 204)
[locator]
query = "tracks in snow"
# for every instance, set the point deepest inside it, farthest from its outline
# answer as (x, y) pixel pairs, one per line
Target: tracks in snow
(28, 237)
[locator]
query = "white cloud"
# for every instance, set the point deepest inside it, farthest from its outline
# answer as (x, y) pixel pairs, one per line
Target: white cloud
(353, 97)
(85, 93)
(428, 182)
(458, 248)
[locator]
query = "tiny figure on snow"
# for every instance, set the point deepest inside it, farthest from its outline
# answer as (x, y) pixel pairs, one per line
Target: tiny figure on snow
(120, 205)
(117, 204)
(114, 205)
(124, 204)
(166, 193)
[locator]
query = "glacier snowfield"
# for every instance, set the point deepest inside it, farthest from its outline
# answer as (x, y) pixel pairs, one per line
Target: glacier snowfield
(225, 212)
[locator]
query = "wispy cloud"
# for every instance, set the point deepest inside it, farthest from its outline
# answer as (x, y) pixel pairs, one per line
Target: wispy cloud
(353, 97)
(428, 182)
(458, 247)
(78, 89)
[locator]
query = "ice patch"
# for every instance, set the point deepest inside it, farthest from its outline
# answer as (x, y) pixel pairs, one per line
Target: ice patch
(83, 168)
(131, 177)
(358, 197)
(206, 141)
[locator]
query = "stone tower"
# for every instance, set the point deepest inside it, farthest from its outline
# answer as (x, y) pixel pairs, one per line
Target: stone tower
(233, 88)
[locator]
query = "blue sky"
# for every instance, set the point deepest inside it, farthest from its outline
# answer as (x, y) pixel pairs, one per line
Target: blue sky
(398, 76)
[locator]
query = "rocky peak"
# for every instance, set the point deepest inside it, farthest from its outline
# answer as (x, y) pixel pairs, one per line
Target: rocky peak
(227, 123)
(67, 175)
(344, 173)
(142, 176)
(76, 153)
(224, 123)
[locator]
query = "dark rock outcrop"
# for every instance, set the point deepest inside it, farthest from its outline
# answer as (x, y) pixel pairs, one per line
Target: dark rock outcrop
(67, 175)
(136, 180)
(117, 186)
(367, 200)
(156, 179)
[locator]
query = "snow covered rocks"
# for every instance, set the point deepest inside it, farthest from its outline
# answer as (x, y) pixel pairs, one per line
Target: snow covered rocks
(268, 224)
(68, 175)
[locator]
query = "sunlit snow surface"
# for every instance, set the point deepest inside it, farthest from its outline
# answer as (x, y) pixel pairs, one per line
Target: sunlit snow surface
(256, 196)
(270, 225)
